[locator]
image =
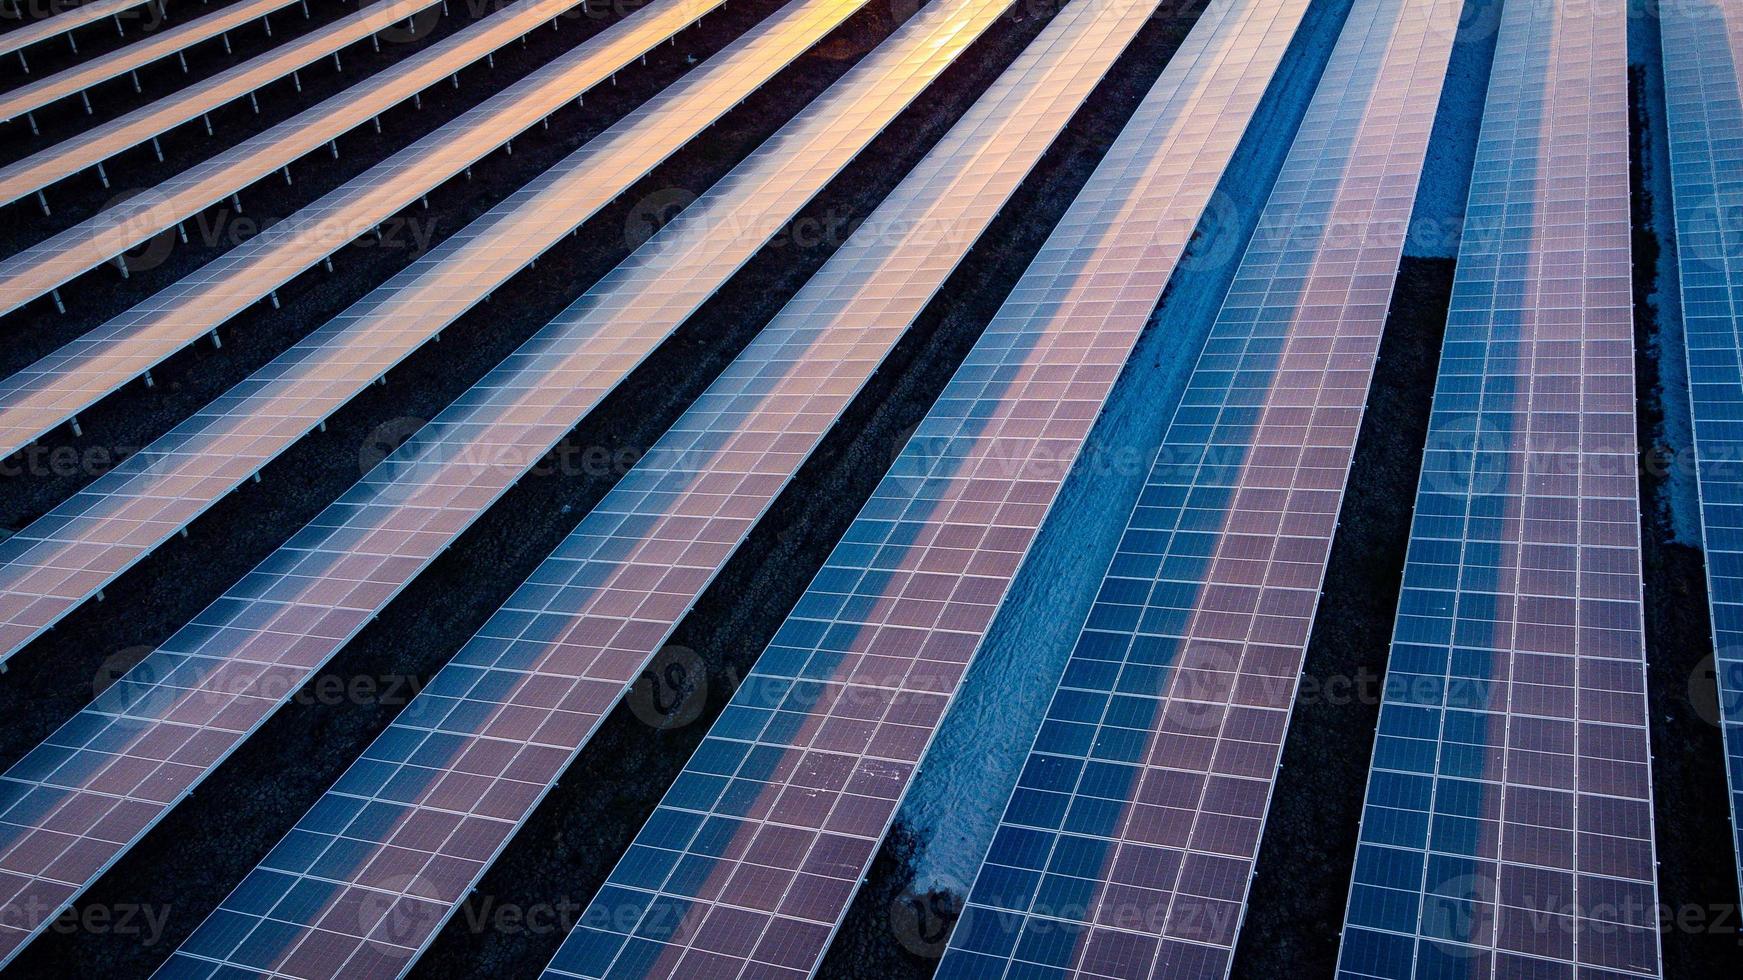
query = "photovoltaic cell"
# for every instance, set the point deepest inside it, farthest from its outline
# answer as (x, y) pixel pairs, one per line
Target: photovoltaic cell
(38, 270)
(407, 831)
(157, 47)
(1703, 47)
(15, 41)
(754, 854)
(80, 799)
(65, 557)
(1127, 847)
(54, 389)
(1507, 829)
(80, 152)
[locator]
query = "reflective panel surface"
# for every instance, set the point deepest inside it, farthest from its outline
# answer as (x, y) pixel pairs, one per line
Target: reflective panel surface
(755, 852)
(1703, 49)
(65, 557)
(1129, 841)
(73, 804)
(492, 731)
(37, 270)
(55, 25)
(54, 389)
(1507, 829)
(154, 47)
(76, 153)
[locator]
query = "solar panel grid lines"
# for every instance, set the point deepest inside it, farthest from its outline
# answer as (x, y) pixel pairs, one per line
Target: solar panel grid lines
(1703, 47)
(63, 558)
(1128, 845)
(1508, 825)
(754, 854)
(40, 269)
(639, 560)
(18, 39)
(75, 154)
(140, 748)
(46, 394)
(165, 44)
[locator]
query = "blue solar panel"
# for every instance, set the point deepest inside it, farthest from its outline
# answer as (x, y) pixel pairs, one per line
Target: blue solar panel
(177, 40)
(40, 269)
(51, 391)
(754, 854)
(1508, 823)
(496, 726)
(1703, 47)
(91, 147)
(73, 804)
(1127, 846)
(19, 40)
(62, 559)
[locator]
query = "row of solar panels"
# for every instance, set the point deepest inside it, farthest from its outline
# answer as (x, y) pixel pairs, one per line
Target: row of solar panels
(1509, 786)
(20, 40)
(174, 42)
(1703, 81)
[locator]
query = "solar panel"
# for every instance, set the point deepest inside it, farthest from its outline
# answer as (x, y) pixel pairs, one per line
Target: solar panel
(755, 852)
(54, 389)
(62, 559)
(181, 711)
(1508, 823)
(64, 85)
(490, 733)
(1127, 846)
(80, 152)
(15, 41)
(40, 269)
(1703, 46)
